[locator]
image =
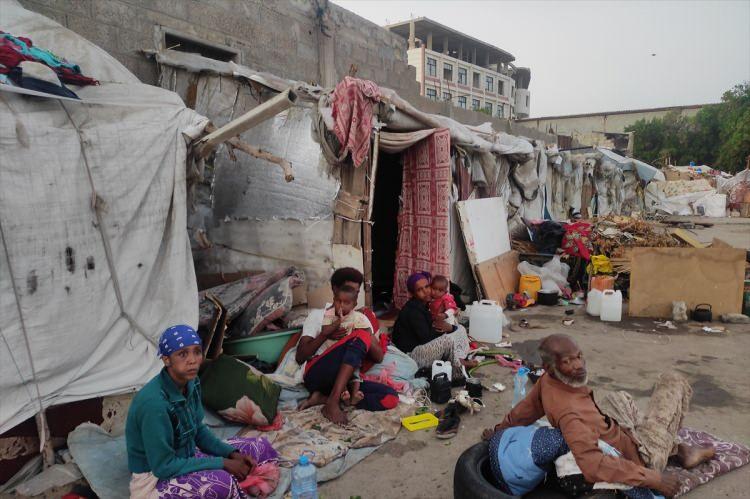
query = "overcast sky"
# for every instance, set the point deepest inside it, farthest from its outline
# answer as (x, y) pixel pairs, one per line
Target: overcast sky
(596, 56)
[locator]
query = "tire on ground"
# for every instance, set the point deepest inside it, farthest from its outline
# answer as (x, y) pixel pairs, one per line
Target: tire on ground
(468, 480)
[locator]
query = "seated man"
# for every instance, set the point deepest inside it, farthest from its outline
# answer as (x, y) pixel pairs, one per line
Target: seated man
(644, 443)
(332, 354)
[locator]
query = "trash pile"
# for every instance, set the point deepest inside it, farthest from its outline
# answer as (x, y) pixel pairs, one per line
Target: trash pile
(699, 190)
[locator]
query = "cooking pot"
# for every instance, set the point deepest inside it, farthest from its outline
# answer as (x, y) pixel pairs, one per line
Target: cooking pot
(702, 313)
(547, 297)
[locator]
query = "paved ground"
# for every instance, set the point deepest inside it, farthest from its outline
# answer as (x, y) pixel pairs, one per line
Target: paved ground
(624, 357)
(734, 231)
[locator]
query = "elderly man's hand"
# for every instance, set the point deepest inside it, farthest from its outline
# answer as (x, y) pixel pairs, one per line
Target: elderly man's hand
(669, 485)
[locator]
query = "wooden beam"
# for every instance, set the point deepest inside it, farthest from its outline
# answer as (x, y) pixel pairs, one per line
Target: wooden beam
(248, 120)
(257, 152)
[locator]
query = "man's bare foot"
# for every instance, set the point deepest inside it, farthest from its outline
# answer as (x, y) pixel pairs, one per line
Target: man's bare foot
(692, 456)
(487, 433)
(316, 398)
(334, 414)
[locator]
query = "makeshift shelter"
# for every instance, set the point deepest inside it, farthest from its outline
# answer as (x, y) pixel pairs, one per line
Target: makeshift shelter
(95, 260)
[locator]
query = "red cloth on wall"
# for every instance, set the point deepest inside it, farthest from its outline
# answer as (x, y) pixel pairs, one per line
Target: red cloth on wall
(423, 220)
(352, 116)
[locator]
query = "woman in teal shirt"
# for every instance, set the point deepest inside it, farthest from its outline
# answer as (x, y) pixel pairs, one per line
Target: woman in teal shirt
(171, 452)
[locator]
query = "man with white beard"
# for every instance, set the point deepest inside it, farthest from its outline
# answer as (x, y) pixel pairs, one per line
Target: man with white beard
(645, 443)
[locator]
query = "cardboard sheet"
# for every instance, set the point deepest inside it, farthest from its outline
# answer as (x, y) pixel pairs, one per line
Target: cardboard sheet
(499, 276)
(660, 276)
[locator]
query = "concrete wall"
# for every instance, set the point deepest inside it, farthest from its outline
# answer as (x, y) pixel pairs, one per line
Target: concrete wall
(603, 122)
(280, 37)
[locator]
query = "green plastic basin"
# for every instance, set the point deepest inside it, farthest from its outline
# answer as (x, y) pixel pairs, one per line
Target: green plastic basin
(265, 346)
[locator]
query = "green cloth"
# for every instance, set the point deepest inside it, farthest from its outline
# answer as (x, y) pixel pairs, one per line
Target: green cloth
(164, 427)
(226, 380)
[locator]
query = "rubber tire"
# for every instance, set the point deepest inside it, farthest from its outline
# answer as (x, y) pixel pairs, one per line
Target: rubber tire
(468, 480)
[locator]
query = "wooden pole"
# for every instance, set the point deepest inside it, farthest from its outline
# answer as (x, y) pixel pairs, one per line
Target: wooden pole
(372, 170)
(248, 120)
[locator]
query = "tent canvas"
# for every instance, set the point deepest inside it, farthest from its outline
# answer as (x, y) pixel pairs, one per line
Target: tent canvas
(84, 292)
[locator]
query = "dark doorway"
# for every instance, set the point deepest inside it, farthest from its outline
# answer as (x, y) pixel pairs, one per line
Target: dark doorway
(388, 181)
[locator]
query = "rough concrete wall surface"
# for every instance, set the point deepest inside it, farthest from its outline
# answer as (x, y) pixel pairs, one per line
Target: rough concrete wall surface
(280, 36)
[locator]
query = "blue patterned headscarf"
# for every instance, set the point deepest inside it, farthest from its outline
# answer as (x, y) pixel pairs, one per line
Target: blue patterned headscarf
(175, 338)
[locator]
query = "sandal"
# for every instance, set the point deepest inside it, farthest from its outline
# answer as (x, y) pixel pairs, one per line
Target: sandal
(449, 422)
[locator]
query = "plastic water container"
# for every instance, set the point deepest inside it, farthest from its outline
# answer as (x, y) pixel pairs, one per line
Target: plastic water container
(304, 480)
(611, 307)
(486, 321)
(519, 385)
(442, 366)
(594, 302)
(530, 284)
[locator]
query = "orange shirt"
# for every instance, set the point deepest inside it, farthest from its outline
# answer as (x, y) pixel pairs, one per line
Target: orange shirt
(575, 413)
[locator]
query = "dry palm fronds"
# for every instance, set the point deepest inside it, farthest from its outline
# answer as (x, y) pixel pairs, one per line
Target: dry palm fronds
(612, 234)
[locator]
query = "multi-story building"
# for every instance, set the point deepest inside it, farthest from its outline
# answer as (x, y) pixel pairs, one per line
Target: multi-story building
(469, 73)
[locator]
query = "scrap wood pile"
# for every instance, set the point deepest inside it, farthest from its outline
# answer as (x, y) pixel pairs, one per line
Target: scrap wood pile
(613, 234)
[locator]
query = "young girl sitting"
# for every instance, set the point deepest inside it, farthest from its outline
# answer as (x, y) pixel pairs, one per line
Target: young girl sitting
(171, 451)
(349, 319)
(442, 306)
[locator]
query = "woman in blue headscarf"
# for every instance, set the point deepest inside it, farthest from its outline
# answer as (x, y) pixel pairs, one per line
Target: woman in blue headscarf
(171, 451)
(415, 334)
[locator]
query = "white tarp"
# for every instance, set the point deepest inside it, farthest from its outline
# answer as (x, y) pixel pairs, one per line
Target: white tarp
(62, 330)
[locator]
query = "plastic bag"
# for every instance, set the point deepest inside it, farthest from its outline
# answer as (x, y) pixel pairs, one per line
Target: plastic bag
(554, 274)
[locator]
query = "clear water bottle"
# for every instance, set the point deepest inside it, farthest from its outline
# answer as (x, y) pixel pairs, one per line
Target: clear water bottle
(519, 385)
(304, 480)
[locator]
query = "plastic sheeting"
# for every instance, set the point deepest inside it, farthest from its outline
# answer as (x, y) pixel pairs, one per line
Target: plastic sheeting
(62, 268)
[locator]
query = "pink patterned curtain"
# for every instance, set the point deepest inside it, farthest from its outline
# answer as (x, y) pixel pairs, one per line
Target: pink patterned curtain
(423, 222)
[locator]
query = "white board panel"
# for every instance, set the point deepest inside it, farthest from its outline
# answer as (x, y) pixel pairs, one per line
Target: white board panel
(484, 223)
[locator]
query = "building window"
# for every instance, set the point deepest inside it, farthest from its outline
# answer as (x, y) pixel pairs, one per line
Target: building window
(475, 104)
(527, 102)
(431, 67)
(431, 93)
(489, 83)
(462, 102)
(500, 111)
(488, 108)
(183, 43)
(447, 96)
(501, 87)
(462, 79)
(447, 71)
(476, 79)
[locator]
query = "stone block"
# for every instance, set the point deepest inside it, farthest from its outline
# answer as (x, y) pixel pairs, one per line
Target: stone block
(174, 8)
(220, 20)
(132, 42)
(115, 12)
(103, 35)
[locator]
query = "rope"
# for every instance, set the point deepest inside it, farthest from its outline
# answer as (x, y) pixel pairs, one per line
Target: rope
(43, 418)
(97, 204)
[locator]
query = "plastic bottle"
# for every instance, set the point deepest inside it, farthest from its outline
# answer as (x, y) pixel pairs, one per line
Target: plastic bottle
(304, 480)
(519, 385)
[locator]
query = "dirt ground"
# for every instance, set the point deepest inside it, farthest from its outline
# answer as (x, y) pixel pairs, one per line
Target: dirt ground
(627, 356)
